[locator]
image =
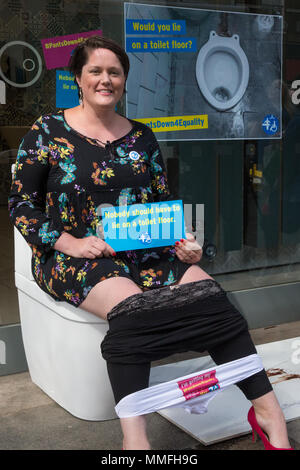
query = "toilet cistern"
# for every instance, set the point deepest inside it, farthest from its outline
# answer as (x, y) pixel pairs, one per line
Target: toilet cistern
(222, 71)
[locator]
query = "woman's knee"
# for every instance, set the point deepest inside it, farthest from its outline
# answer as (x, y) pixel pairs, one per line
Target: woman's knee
(194, 273)
(107, 294)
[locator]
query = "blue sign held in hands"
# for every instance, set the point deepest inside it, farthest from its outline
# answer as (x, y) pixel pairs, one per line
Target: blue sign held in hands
(140, 226)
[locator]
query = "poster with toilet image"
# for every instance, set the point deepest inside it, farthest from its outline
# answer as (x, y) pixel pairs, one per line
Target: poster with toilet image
(204, 74)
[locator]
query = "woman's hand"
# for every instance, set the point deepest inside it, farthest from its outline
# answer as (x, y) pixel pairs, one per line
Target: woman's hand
(89, 247)
(188, 250)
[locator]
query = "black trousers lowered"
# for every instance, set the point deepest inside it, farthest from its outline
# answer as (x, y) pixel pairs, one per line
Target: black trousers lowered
(196, 317)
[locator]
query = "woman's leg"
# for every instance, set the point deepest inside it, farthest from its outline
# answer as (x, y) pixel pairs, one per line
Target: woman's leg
(107, 294)
(126, 379)
(100, 301)
(194, 273)
(271, 419)
(256, 388)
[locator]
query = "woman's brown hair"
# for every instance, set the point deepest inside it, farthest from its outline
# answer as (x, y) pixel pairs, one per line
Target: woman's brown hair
(81, 53)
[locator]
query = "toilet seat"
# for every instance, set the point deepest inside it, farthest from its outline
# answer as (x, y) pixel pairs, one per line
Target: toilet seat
(62, 309)
(222, 71)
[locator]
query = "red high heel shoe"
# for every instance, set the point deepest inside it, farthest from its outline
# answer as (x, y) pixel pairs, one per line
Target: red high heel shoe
(256, 429)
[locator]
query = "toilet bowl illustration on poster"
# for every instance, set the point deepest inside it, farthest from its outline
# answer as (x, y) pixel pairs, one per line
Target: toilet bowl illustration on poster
(222, 71)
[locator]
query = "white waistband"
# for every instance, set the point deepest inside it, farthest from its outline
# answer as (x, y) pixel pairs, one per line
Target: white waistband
(193, 391)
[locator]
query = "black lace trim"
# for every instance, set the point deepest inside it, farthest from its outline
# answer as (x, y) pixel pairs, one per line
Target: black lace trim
(177, 295)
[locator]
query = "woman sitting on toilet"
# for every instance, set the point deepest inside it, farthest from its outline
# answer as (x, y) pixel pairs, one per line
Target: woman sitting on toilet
(70, 163)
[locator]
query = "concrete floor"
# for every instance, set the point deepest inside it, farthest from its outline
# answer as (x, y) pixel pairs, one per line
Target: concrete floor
(30, 420)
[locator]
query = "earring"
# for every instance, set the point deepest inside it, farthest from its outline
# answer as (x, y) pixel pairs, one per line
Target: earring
(80, 96)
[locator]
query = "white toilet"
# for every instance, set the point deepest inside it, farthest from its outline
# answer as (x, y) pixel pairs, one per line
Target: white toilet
(62, 346)
(222, 71)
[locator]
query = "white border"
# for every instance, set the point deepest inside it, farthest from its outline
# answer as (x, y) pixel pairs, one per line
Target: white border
(200, 9)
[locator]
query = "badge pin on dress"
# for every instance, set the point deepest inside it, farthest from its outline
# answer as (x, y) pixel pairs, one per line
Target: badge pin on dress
(134, 155)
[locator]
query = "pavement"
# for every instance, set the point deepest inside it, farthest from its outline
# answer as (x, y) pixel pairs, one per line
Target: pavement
(30, 420)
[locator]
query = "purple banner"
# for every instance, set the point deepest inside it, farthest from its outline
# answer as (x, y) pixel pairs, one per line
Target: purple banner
(57, 51)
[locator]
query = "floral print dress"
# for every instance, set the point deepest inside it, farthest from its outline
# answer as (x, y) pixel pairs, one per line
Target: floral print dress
(61, 177)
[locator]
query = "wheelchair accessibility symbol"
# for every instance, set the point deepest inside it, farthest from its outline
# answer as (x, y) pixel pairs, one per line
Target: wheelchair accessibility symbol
(145, 238)
(270, 124)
